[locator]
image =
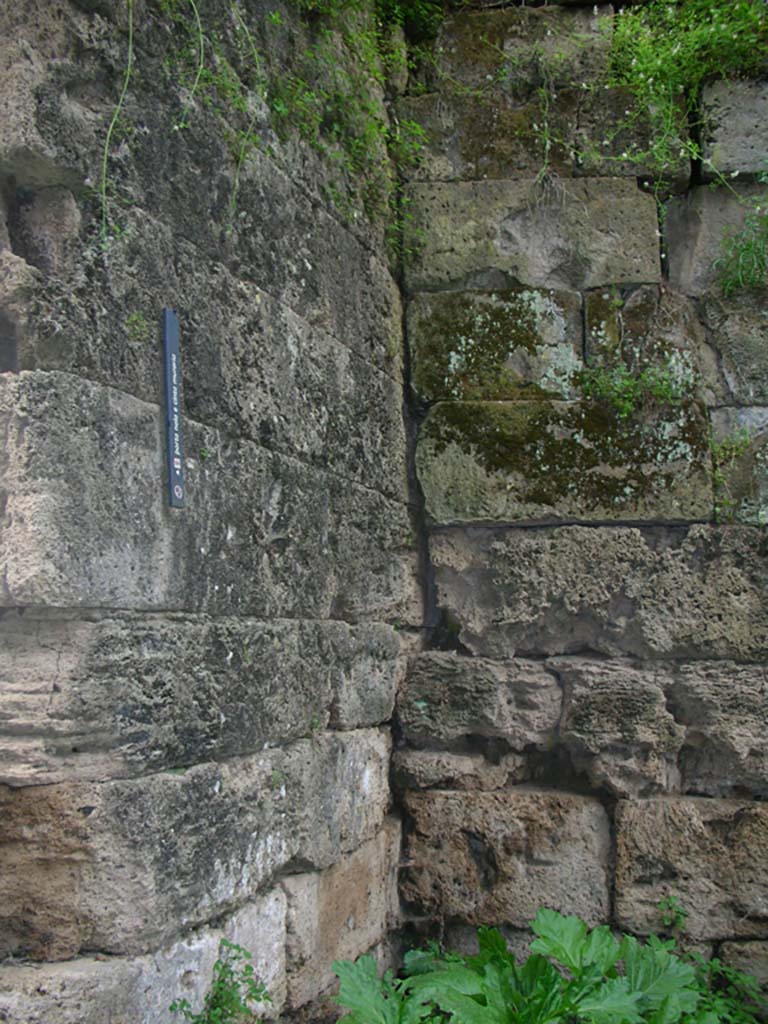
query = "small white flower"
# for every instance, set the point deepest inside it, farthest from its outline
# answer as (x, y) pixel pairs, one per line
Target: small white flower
(735, 174)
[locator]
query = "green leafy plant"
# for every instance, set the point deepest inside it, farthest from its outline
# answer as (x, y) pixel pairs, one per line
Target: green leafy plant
(627, 391)
(725, 455)
(673, 914)
(726, 995)
(233, 992)
(744, 263)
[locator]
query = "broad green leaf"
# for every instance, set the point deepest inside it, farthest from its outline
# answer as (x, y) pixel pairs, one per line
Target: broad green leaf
(375, 1001)
(655, 974)
(611, 1003)
(560, 937)
(601, 949)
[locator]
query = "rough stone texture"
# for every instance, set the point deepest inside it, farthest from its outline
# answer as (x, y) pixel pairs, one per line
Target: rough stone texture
(749, 957)
(529, 461)
(434, 769)
(447, 696)
(17, 282)
(493, 858)
(724, 707)
(697, 592)
(340, 913)
(517, 343)
(738, 326)
(118, 696)
(735, 117)
(126, 990)
(696, 225)
(740, 453)
(261, 534)
(65, 846)
(617, 728)
(588, 232)
(705, 852)
(653, 327)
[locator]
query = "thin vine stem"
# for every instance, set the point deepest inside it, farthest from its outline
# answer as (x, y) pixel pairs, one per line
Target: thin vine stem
(200, 65)
(113, 124)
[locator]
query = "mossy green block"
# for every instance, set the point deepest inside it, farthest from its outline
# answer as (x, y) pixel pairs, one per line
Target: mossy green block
(515, 343)
(544, 461)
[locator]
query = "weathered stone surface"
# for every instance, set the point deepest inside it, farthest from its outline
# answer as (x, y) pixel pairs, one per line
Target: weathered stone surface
(724, 707)
(261, 534)
(708, 853)
(17, 282)
(616, 725)
(517, 343)
(464, 940)
(735, 118)
(696, 226)
(490, 858)
(749, 957)
(489, 135)
(126, 990)
(447, 696)
(697, 592)
(340, 913)
(522, 48)
(436, 769)
(174, 850)
(738, 326)
(91, 699)
(740, 454)
(580, 234)
(543, 461)
(653, 327)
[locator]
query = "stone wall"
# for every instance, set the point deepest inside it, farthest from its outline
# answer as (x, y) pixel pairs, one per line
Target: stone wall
(193, 738)
(587, 728)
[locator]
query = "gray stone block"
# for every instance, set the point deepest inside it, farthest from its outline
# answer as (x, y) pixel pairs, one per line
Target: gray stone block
(684, 593)
(577, 234)
(735, 133)
(738, 327)
(547, 461)
(86, 522)
(124, 867)
(496, 857)
(704, 852)
(437, 769)
(740, 456)
(98, 698)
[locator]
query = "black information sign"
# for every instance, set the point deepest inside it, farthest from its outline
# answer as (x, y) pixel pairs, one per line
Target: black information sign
(173, 408)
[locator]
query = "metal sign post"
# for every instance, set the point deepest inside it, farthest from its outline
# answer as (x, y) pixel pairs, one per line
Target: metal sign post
(172, 368)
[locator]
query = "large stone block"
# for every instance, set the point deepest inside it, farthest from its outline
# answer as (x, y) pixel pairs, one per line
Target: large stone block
(579, 234)
(102, 698)
(696, 227)
(439, 769)
(125, 990)
(735, 118)
(496, 857)
(707, 853)
(616, 725)
(739, 329)
(86, 522)
(123, 867)
(518, 343)
(340, 913)
(544, 461)
(724, 707)
(446, 697)
(685, 593)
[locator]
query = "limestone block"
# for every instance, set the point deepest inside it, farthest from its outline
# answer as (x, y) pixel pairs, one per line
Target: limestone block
(437, 769)
(740, 455)
(99, 698)
(447, 696)
(18, 281)
(518, 49)
(616, 725)
(748, 957)
(496, 857)
(124, 866)
(518, 343)
(544, 461)
(340, 913)
(578, 234)
(488, 135)
(724, 707)
(86, 522)
(739, 329)
(705, 852)
(696, 226)
(684, 593)
(653, 327)
(124, 990)
(735, 117)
